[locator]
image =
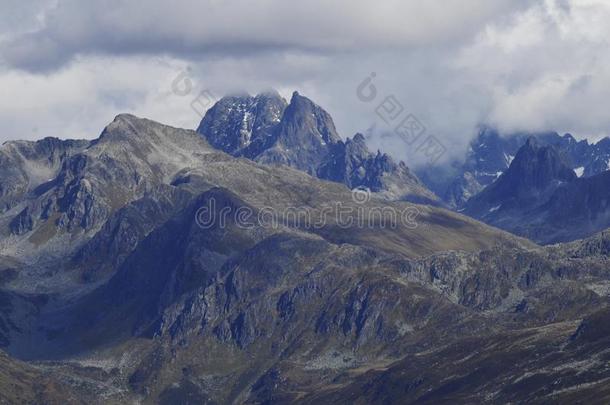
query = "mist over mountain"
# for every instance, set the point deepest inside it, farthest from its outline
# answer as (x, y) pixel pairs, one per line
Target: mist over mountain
(539, 196)
(490, 154)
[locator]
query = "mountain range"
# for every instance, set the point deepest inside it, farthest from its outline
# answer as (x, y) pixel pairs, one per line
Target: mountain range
(114, 288)
(491, 153)
(300, 134)
(539, 196)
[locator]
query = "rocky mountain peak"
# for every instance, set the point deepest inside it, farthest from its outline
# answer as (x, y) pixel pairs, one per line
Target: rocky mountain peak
(519, 199)
(535, 170)
(537, 167)
(306, 122)
(356, 147)
(301, 134)
(121, 121)
(122, 126)
(359, 138)
(304, 138)
(243, 124)
(490, 153)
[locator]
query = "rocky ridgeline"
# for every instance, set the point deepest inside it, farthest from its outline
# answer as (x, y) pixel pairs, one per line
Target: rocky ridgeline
(540, 197)
(135, 300)
(302, 135)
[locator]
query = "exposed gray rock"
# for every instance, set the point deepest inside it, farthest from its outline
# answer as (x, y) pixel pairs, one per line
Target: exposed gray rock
(490, 154)
(28, 167)
(243, 312)
(243, 125)
(302, 135)
(540, 197)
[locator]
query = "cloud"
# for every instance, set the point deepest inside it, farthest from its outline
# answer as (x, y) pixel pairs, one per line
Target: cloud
(78, 101)
(547, 68)
(195, 28)
(454, 64)
(20, 16)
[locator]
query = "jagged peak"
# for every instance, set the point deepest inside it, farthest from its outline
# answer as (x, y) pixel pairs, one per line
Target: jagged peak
(539, 153)
(243, 124)
(130, 127)
(299, 113)
(126, 117)
(300, 101)
(535, 166)
(247, 98)
(123, 121)
(604, 142)
(359, 138)
(569, 137)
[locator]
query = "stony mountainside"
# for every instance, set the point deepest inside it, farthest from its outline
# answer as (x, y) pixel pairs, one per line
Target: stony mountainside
(302, 135)
(535, 172)
(139, 297)
(99, 202)
(541, 197)
(27, 165)
(243, 125)
(21, 383)
(490, 154)
(80, 189)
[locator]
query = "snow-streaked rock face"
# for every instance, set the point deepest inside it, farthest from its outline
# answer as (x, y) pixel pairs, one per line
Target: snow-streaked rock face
(304, 136)
(491, 153)
(243, 125)
(542, 198)
(534, 171)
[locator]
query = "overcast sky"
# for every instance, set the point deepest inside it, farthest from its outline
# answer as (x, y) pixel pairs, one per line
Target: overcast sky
(67, 67)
